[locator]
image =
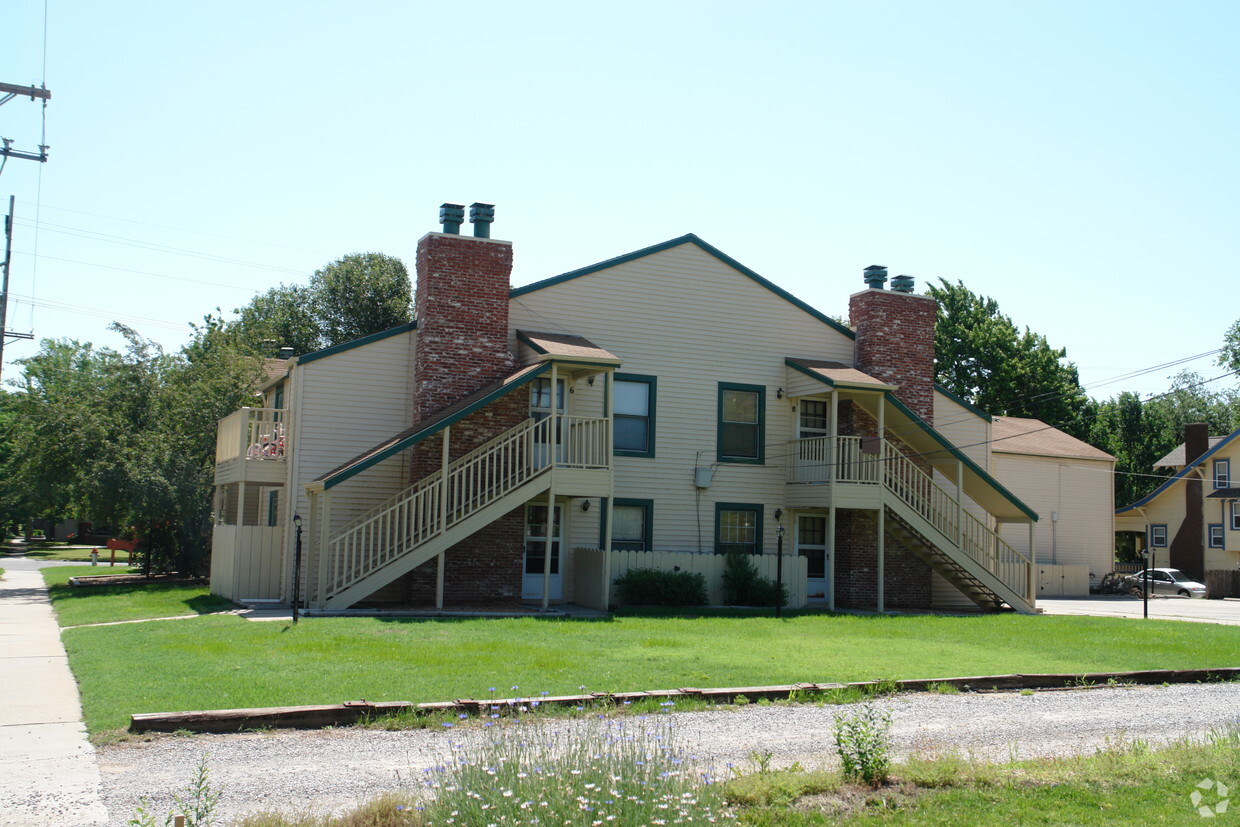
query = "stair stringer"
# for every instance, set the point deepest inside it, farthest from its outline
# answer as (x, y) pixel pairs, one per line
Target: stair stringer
(443, 541)
(940, 545)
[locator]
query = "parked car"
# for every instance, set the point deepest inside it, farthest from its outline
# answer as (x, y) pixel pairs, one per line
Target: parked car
(1168, 581)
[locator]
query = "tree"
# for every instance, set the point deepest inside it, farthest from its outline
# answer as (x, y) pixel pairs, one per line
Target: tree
(982, 357)
(352, 297)
(1230, 357)
(360, 294)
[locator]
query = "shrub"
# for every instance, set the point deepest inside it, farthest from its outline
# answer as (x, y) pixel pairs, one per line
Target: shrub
(742, 586)
(652, 587)
(863, 741)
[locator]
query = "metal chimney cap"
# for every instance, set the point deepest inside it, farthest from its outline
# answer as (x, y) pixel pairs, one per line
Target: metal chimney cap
(481, 215)
(450, 216)
(875, 275)
(902, 284)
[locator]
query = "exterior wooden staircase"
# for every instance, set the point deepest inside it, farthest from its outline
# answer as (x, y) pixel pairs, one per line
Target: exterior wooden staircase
(449, 505)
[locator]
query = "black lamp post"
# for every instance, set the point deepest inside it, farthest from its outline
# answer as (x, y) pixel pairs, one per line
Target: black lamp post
(779, 564)
(296, 567)
(1145, 582)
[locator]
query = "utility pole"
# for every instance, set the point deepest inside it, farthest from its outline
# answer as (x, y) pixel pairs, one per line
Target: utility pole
(5, 333)
(8, 91)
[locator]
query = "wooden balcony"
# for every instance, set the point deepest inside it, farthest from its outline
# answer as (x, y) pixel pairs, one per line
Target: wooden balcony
(251, 446)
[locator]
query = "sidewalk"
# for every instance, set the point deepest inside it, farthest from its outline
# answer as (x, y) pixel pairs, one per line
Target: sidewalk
(48, 773)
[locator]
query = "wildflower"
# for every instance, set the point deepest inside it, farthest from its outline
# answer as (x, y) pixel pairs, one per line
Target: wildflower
(463, 716)
(447, 724)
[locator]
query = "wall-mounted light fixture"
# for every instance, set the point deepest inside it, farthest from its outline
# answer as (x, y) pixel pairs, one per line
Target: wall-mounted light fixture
(779, 394)
(585, 505)
(590, 380)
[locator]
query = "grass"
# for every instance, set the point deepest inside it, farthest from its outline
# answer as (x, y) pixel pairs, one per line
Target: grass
(225, 662)
(76, 606)
(74, 553)
(1127, 783)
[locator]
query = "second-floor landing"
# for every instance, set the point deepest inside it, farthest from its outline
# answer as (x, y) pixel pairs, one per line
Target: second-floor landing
(252, 445)
(852, 433)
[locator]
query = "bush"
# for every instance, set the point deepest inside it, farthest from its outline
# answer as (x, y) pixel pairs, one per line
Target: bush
(863, 741)
(743, 587)
(653, 587)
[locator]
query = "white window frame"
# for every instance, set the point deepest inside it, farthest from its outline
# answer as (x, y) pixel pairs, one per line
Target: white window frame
(1222, 473)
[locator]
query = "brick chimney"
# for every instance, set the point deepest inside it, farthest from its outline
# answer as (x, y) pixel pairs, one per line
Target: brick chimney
(462, 310)
(1188, 544)
(895, 338)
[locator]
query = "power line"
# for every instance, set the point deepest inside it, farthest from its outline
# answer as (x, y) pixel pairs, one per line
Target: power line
(108, 238)
(140, 272)
(98, 312)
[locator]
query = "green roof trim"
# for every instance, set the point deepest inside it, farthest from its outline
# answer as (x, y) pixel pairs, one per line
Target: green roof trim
(956, 452)
(534, 346)
(969, 406)
(1181, 474)
(689, 238)
(365, 340)
(432, 428)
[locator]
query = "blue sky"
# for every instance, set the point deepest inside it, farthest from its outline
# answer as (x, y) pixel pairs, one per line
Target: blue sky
(1075, 161)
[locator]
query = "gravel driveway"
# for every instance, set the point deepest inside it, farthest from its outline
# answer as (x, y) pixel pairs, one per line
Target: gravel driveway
(335, 768)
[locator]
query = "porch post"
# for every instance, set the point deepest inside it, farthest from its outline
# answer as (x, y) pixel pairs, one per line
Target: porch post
(610, 401)
(443, 515)
(1032, 587)
(546, 595)
(325, 538)
(882, 487)
(241, 546)
(832, 460)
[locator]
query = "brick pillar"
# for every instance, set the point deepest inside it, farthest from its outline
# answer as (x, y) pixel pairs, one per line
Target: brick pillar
(462, 311)
(1188, 552)
(895, 343)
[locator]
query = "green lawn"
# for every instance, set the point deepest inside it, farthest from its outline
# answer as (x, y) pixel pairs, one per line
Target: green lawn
(224, 662)
(61, 552)
(76, 606)
(1129, 784)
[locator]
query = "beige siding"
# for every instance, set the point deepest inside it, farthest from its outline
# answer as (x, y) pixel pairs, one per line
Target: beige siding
(342, 406)
(1080, 491)
(649, 312)
(965, 429)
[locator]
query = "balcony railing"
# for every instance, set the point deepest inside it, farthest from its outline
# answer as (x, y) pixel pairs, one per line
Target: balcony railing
(259, 434)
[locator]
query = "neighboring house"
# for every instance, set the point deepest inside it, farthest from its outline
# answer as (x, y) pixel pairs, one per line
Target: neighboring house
(653, 410)
(1192, 521)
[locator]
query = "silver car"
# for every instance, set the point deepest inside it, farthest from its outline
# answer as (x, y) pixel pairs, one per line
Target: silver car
(1168, 581)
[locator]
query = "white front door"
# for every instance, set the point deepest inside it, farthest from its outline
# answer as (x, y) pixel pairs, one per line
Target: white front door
(536, 554)
(812, 545)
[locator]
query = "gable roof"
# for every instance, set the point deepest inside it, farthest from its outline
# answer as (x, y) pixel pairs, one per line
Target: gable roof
(452, 414)
(1183, 472)
(1022, 435)
(364, 340)
(688, 238)
(1175, 459)
(566, 346)
(836, 374)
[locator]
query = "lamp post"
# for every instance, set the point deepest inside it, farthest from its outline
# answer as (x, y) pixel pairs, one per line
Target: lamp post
(296, 567)
(1145, 582)
(779, 564)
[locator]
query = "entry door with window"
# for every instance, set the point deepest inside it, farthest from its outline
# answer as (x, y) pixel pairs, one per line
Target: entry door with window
(813, 449)
(540, 409)
(812, 545)
(536, 554)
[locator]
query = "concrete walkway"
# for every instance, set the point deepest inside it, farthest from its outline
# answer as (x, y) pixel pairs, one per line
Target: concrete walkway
(48, 774)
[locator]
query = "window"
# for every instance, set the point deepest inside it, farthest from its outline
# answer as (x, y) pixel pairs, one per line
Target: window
(813, 419)
(633, 409)
(738, 527)
(1158, 536)
(273, 508)
(1216, 535)
(630, 525)
(540, 397)
(1222, 473)
(742, 415)
(1235, 515)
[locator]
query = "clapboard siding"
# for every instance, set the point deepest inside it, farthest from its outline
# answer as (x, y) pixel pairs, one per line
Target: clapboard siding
(965, 429)
(650, 313)
(1080, 491)
(344, 405)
